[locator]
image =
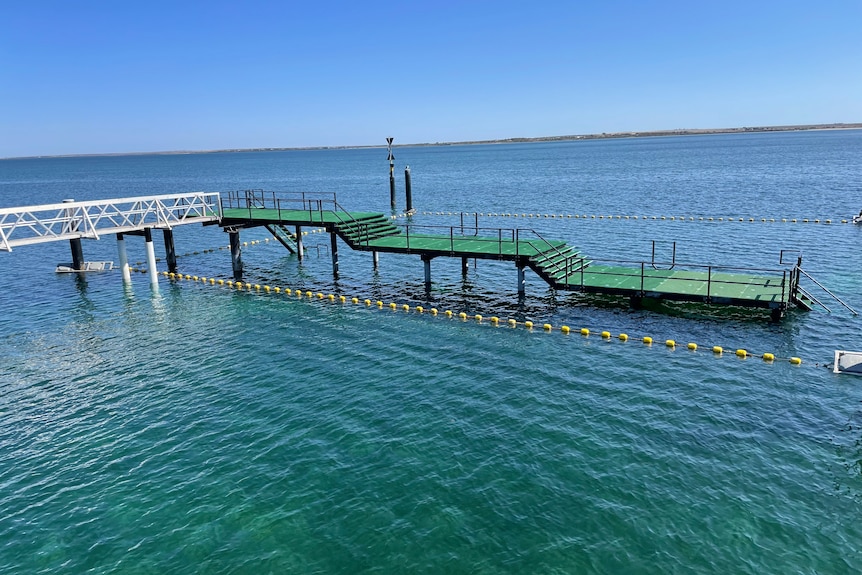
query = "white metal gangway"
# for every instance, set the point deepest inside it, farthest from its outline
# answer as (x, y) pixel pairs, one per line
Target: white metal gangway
(75, 220)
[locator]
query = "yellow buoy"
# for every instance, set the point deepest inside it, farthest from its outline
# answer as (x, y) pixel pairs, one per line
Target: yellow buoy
(320, 295)
(795, 360)
(379, 303)
(420, 309)
(670, 343)
(277, 289)
(354, 300)
(692, 346)
(741, 353)
(513, 322)
(368, 302)
(462, 315)
(405, 307)
(585, 331)
(647, 340)
(342, 298)
(623, 337)
(266, 288)
(717, 349)
(565, 329)
(308, 294)
(768, 357)
(393, 305)
(606, 335)
(528, 324)
(478, 318)
(448, 313)
(547, 327)
(495, 320)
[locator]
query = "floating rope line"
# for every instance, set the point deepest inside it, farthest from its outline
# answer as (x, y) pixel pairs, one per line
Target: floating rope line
(212, 250)
(493, 321)
(642, 217)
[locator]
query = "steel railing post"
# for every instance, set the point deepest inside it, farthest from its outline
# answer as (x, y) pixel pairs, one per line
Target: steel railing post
(708, 284)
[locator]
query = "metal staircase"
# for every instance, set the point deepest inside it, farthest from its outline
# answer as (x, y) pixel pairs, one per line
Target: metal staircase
(557, 264)
(358, 232)
(284, 236)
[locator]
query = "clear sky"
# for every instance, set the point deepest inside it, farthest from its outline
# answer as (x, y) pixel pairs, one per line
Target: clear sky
(149, 75)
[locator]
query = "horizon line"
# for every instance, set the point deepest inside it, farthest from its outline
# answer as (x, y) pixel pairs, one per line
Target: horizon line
(515, 140)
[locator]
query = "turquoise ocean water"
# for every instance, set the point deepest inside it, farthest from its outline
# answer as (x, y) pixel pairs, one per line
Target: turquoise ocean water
(197, 429)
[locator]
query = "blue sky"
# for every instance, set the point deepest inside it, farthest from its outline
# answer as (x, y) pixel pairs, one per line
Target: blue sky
(105, 77)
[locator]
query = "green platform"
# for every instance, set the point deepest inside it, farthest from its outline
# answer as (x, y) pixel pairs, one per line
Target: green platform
(558, 263)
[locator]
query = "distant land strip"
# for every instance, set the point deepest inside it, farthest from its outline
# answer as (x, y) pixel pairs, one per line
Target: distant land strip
(603, 135)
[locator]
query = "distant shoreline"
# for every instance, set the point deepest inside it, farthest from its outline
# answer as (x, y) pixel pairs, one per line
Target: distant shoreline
(603, 135)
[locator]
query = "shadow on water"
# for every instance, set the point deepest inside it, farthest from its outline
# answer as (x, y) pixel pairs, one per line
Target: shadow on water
(84, 308)
(847, 469)
(699, 311)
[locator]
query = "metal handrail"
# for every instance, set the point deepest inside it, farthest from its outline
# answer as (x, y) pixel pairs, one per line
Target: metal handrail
(568, 264)
(821, 286)
(638, 269)
(810, 296)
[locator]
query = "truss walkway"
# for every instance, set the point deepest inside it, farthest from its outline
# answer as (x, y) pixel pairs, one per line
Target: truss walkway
(89, 220)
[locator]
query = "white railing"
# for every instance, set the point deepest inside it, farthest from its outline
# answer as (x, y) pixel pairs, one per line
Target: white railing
(69, 220)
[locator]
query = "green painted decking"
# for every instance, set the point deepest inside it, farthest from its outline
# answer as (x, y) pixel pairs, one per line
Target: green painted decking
(555, 261)
(692, 285)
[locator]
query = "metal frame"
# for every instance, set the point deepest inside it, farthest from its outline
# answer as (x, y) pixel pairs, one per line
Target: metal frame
(71, 220)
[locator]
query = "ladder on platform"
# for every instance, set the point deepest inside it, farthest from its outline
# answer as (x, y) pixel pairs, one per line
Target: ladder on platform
(284, 236)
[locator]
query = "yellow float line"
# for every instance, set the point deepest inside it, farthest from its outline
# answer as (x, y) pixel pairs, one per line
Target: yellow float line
(463, 316)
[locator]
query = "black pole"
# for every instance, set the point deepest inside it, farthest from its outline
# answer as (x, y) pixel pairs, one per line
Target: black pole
(170, 252)
(74, 243)
(391, 173)
(408, 189)
(235, 254)
(77, 254)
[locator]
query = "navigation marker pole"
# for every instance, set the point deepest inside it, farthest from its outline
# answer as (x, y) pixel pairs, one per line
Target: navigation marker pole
(408, 190)
(391, 173)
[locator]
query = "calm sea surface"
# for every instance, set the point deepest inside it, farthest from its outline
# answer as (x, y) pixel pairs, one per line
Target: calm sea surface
(197, 429)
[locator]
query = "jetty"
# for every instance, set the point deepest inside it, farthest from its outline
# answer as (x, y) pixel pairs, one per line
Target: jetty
(284, 215)
(561, 265)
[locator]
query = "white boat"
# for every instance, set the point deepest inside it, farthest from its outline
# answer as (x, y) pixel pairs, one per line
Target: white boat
(88, 267)
(848, 362)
